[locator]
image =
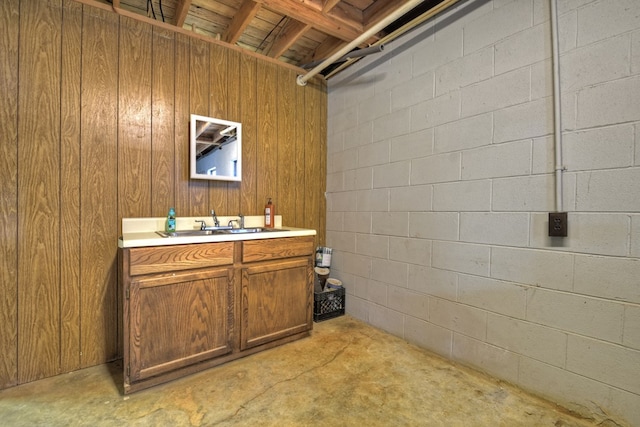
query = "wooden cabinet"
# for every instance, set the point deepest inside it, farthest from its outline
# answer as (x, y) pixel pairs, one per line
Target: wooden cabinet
(277, 289)
(190, 307)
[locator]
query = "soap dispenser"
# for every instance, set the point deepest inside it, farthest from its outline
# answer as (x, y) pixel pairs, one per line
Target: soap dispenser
(269, 214)
(170, 225)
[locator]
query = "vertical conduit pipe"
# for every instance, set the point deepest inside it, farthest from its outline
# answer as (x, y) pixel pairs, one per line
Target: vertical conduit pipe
(557, 117)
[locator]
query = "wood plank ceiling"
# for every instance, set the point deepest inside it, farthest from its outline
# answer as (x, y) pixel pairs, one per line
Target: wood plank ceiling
(299, 32)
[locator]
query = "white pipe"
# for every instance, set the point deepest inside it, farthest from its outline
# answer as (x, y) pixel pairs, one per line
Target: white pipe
(557, 118)
(302, 79)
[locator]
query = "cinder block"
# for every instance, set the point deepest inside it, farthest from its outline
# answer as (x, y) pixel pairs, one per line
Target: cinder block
(420, 88)
(433, 54)
(358, 179)
(374, 108)
(547, 269)
(461, 257)
(608, 18)
(608, 277)
(377, 292)
(397, 70)
(631, 332)
(588, 316)
(462, 196)
(358, 136)
(372, 245)
(387, 320)
(602, 361)
(499, 160)
(635, 236)
(609, 103)
(599, 234)
(493, 295)
(335, 182)
(497, 25)
(635, 53)
(358, 265)
(415, 198)
(498, 92)
(376, 200)
(464, 71)
(394, 124)
(434, 225)
(465, 319)
(335, 221)
(374, 154)
(436, 111)
(433, 281)
(510, 229)
(616, 190)
(528, 120)
(412, 251)
(528, 339)
(602, 148)
(476, 131)
(392, 272)
(341, 241)
(390, 223)
(427, 335)
(436, 168)
(541, 80)
(357, 222)
(596, 63)
(408, 302)
(488, 358)
(572, 391)
(524, 194)
(392, 175)
(341, 202)
(412, 145)
(523, 48)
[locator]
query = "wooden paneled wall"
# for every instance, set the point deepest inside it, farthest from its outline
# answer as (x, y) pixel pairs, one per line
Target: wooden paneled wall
(94, 128)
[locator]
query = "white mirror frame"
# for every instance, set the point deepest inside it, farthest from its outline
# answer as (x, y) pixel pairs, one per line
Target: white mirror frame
(232, 166)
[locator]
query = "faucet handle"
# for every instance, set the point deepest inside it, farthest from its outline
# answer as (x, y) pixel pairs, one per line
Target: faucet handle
(203, 224)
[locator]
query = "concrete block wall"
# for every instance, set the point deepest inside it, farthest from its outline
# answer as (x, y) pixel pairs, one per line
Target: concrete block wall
(440, 180)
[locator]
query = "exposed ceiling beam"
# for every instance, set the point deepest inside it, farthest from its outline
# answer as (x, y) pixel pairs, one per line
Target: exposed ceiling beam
(241, 21)
(182, 9)
(291, 32)
(314, 17)
(379, 10)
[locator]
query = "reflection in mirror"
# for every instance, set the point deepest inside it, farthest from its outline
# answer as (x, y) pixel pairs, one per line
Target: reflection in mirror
(215, 149)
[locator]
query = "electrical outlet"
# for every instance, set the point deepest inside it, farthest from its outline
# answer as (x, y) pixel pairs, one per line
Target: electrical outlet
(558, 224)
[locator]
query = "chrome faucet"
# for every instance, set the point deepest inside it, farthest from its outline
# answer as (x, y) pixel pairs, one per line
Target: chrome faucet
(203, 224)
(239, 221)
(215, 218)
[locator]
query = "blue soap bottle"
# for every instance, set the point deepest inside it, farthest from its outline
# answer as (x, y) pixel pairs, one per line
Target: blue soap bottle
(170, 225)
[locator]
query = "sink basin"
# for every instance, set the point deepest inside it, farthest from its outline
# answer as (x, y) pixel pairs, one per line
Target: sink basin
(252, 230)
(192, 233)
(186, 233)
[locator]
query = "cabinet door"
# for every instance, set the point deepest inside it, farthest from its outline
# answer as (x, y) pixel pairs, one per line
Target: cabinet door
(277, 301)
(178, 320)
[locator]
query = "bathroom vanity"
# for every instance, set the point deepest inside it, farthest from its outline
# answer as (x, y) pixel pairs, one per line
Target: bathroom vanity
(190, 303)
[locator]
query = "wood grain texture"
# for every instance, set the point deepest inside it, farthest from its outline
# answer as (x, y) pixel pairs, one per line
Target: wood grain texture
(181, 126)
(134, 119)
(9, 36)
(218, 107)
(99, 198)
(39, 188)
(248, 117)
(110, 144)
(199, 104)
(179, 257)
(267, 162)
(70, 289)
(270, 249)
(163, 173)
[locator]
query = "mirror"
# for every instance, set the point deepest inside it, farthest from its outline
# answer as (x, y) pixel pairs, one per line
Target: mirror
(215, 149)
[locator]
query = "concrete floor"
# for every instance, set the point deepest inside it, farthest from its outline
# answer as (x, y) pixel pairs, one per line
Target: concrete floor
(346, 374)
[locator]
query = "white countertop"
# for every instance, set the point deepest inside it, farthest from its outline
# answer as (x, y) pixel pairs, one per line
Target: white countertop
(141, 232)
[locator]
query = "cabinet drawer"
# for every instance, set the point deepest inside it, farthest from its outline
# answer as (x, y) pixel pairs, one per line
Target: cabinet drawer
(268, 249)
(161, 259)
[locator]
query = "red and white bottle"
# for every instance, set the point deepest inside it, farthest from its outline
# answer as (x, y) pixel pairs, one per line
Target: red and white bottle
(269, 214)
